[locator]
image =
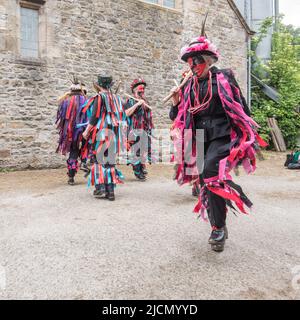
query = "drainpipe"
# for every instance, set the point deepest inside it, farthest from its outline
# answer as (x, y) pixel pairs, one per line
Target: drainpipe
(249, 73)
(276, 8)
(248, 11)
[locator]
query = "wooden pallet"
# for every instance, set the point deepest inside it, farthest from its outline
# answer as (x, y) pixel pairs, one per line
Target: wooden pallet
(276, 135)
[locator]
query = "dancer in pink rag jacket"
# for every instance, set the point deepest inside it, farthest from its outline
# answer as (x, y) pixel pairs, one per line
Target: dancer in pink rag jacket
(211, 100)
(140, 126)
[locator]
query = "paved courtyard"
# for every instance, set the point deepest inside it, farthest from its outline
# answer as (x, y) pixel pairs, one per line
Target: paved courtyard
(58, 242)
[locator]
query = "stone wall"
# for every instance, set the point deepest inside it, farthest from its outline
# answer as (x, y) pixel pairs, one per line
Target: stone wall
(127, 38)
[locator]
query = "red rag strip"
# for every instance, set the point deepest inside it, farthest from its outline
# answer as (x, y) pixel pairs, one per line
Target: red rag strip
(261, 142)
(70, 108)
(113, 175)
(232, 196)
(88, 105)
(94, 134)
(198, 205)
(98, 107)
(93, 175)
(101, 178)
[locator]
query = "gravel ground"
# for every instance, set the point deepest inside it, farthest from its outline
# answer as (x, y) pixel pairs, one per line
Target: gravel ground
(58, 242)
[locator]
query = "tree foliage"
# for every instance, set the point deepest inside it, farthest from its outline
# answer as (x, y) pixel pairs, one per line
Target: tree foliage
(282, 73)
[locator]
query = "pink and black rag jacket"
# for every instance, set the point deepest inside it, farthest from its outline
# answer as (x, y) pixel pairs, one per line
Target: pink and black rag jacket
(140, 120)
(245, 142)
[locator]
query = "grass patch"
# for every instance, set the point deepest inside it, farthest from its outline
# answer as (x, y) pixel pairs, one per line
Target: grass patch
(5, 170)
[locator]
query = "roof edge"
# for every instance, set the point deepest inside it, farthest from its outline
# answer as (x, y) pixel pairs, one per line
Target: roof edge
(241, 18)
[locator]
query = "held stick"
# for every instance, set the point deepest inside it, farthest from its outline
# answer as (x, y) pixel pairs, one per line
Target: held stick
(129, 96)
(185, 80)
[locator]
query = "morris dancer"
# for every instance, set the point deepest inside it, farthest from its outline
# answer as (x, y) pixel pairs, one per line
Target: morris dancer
(69, 116)
(140, 126)
(211, 100)
(105, 133)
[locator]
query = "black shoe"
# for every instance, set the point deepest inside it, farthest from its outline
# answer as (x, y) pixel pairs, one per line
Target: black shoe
(110, 196)
(99, 192)
(226, 235)
(217, 239)
(138, 172)
(110, 193)
(71, 181)
(140, 176)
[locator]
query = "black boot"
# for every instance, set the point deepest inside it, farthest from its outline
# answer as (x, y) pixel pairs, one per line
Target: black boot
(138, 173)
(226, 235)
(217, 238)
(109, 192)
(99, 192)
(71, 175)
(71, 181)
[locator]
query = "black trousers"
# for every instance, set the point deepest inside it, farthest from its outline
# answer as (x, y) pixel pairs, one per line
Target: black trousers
(73, 160)
(140, 152)
(214, 151)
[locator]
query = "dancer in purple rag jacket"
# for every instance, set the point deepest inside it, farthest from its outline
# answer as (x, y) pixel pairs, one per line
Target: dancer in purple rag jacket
(69, 120)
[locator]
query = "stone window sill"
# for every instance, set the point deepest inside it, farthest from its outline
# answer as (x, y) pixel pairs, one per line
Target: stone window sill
(160, 7)
(30, 61)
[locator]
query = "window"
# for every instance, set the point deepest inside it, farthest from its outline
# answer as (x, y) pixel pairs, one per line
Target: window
(169, 3)
(164, 3)
(29, 33)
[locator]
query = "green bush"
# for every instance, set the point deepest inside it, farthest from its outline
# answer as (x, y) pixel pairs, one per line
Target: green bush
(281, 73)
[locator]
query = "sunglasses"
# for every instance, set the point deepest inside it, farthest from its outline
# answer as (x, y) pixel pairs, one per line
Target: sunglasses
(196, 60)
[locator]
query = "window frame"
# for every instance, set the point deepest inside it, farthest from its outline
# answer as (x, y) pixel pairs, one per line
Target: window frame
(160, 5)
(31, 45)
(34, 5)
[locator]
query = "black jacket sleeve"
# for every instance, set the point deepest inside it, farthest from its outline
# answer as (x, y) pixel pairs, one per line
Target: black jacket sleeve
(173, 112)
(94, 119)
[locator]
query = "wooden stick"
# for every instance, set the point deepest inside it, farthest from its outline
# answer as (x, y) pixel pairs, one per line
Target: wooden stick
(278, 135)
(96, 86)
(138, 100)
(118, 87)
(185, 80)
(176, 83)
(273, 134)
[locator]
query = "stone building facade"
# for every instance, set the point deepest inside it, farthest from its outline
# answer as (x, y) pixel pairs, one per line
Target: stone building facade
(126, 38)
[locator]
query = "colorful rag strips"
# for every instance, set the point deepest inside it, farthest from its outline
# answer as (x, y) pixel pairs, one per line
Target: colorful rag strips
(72, 164)
(141, 119)
(100, 174)
(245, 141)
(139, 124)
(69, 116)
(108, 134)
